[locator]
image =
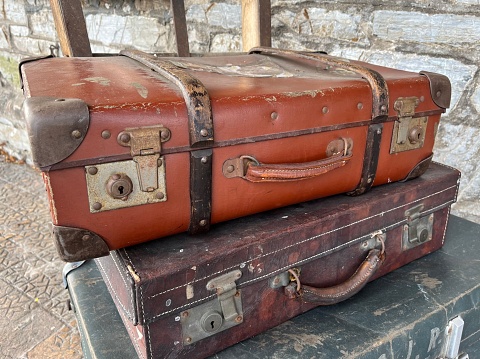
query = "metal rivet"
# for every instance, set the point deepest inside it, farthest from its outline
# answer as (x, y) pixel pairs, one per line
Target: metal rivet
(239, 318)
(160, 195)
(92, 170)
(185, 314)
(379, 131)
(116, 176)
(204, 160)
(359, 105)
(274, 115)
(124, 137)
(204, 133)
(106, 134)
(211, 286)
(230, 169)
(188, 340)
(177, 318)
(86, 237)
(383, 108)
(76, 134)
(164, 134)
(203, 222)
(237, 294)
(168, 302)
(369, 180)
(325, 110)
(97, 206)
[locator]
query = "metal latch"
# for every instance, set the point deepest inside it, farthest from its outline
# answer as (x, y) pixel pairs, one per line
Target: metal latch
(453, 337)
(145, 147)
(408, 132)
(217, 315)
(418, 229)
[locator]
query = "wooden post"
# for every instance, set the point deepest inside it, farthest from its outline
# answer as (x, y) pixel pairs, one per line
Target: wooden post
(71, 28)
(256, 24)
(180, 25)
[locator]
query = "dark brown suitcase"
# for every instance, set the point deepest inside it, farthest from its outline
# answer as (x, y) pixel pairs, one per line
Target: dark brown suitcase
(137, 147)
(189, 298)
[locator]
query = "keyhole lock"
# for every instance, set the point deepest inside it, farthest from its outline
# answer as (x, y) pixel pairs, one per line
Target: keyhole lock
(212, 321)
(119, 186)
(415, 134)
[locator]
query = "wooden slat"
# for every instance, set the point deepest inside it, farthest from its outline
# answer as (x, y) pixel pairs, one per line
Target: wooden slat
(256, 23)
(180, 25)
(71, 28)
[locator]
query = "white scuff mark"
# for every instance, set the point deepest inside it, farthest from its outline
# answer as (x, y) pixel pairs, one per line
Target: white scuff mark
(99, 80)
(79, 84)
(251, 268)
(194, 268)
(140, 335)
(284, 217)
(189, 291)
(425, 294)
(181, 250)
(142, 90)
(134, 274)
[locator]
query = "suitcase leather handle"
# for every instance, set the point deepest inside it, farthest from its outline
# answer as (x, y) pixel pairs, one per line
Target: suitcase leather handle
(250, 169)
(340, 292)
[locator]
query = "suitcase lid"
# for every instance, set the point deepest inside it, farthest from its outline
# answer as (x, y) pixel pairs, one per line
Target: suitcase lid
(170, 275)
(252, 97)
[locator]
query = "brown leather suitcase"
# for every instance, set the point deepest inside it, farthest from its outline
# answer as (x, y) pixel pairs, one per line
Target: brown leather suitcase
(138, 147)
(187, 298)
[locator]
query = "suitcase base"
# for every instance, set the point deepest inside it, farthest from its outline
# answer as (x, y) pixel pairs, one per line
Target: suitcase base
(404, 312)
(191, 297)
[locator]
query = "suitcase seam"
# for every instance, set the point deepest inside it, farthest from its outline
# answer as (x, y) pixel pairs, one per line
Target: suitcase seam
(321, 254)
(113, 290)
(126, 287)
(303, 241)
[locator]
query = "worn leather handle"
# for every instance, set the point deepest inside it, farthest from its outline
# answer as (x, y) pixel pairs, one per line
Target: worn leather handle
(250, 169)
(340, 292)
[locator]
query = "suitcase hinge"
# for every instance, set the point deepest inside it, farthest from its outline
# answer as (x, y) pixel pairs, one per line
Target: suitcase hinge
(145, 147)
(408, 132)
(418, 229)
(217, 315)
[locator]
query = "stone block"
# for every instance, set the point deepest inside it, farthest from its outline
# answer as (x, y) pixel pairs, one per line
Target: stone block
(426, 28)
(196, 13)
(141, 32)
(32, 46)
(226, 43)
(4, 44)
(225, 15)
(476, 99)
(42, 24)
(14, 11)
(456, 146)
(19, 30)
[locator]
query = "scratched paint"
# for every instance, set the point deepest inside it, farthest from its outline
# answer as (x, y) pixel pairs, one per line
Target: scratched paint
(99, 80)
(142, 90)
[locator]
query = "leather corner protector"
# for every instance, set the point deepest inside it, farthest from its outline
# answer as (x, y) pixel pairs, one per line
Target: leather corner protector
(419, 169)
(440, 88)
(76, 244)
(56, 127)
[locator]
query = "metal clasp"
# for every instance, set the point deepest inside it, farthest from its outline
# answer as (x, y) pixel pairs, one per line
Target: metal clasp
(216, 315)
(145, 147)
(408, 132)
(418, 229)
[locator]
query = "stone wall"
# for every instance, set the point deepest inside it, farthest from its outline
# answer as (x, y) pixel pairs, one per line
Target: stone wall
(440, 36)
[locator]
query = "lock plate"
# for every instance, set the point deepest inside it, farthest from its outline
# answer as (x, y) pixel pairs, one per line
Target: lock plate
(408, 132)
(102, 188)
(217, 315)
(418, 229)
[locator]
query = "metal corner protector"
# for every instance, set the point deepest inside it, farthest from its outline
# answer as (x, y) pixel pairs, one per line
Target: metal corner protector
(76, 244)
